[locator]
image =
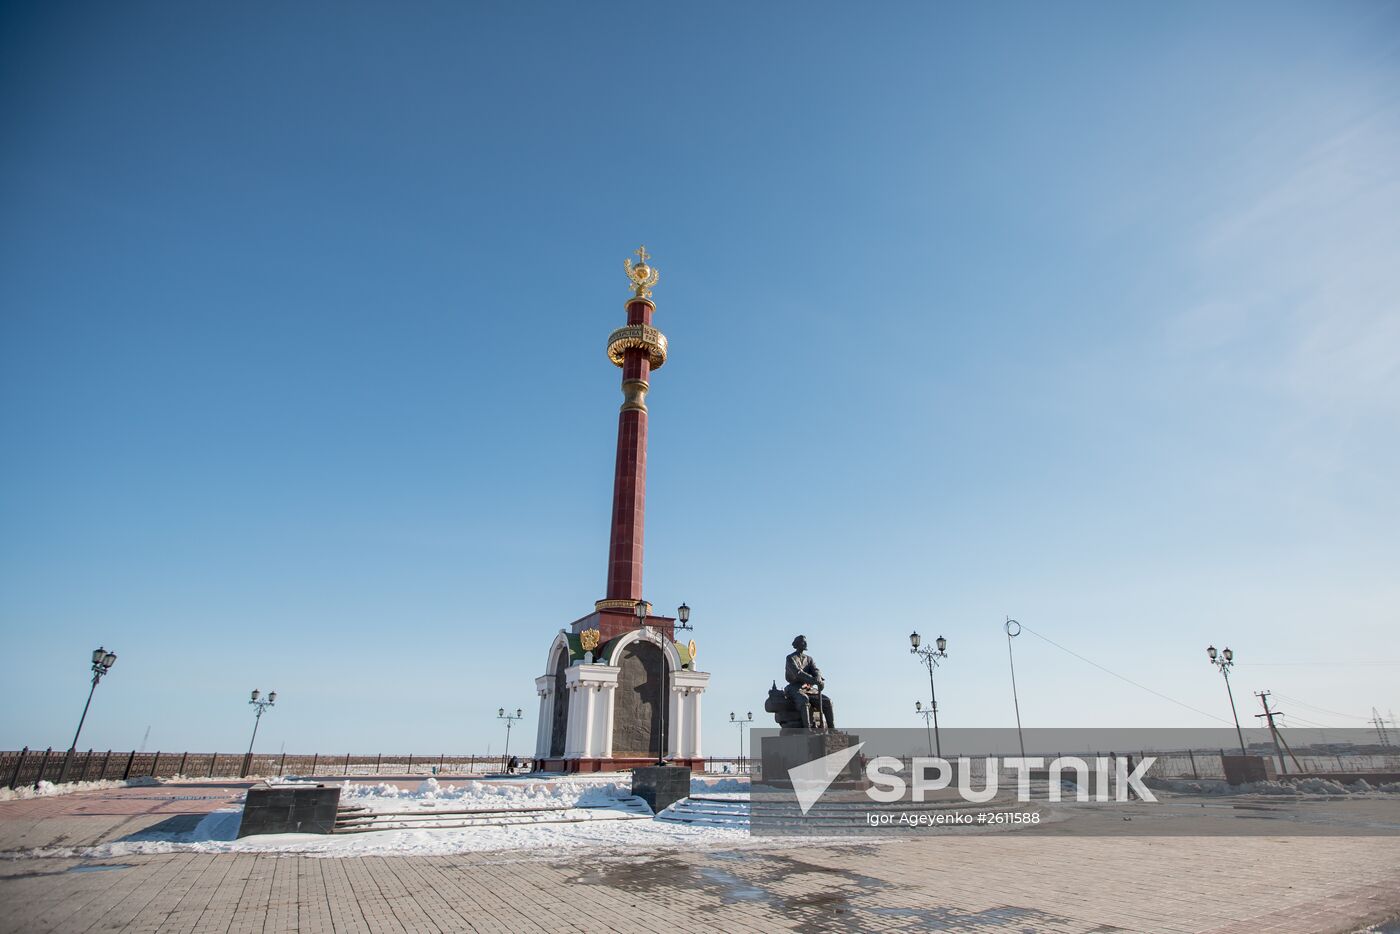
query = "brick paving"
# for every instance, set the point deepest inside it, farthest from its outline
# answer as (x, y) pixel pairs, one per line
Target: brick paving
(1019, 882)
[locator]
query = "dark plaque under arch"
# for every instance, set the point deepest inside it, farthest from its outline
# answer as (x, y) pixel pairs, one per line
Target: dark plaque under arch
(557, 732)
(637, 714)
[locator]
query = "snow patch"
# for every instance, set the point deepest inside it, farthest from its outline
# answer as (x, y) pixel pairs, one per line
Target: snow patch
(47, 789)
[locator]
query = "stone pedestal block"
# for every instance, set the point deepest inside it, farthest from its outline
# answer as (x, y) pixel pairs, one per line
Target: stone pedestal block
(289, 809)
(661, 785)
(1241, 770)
(792, 748)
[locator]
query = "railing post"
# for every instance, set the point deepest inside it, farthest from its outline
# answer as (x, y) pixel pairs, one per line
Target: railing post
(1194, 772)
(105, 759)
(213, 763)
(63, 769)
(155, 762)
(378, 759)
(281, 765)
(42, 763)
(410, 763)
(440, 760)
(87, 762)
(19, 764)
(183, 756)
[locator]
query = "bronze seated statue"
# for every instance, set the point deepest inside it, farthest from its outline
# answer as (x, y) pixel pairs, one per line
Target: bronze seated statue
(803, 705)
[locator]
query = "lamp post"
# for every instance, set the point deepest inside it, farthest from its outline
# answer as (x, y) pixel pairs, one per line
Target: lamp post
(742, 722)
(926, 713)
(259, 705)
(1013, 629)
(930, 656)
(102, 662)
(1225, 661)
(510, 721)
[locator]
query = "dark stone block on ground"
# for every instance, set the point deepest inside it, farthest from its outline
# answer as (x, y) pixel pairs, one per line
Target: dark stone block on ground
(661, 786)
(1242, 770)
(792, 748)
(289, 809)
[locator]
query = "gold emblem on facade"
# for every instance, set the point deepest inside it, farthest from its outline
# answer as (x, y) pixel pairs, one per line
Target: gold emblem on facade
(589, 639)
(642, 276)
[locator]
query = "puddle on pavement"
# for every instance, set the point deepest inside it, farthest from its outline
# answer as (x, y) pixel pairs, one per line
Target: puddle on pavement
(718, 875)
(100, 867)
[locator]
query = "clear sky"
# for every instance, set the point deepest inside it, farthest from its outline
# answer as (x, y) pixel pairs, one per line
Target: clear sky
(1088, 314)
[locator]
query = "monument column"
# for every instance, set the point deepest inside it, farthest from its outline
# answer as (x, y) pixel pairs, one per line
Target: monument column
(638, 348)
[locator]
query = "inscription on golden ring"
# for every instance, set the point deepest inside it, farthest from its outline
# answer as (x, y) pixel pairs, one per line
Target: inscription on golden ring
(641, 337)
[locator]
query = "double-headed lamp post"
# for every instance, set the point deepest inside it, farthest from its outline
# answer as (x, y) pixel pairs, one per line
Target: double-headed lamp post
(741, 722)
(930, 656)
(510, 719)
(259, 705)
(102, 662)
(926, 713)
(1225, 661)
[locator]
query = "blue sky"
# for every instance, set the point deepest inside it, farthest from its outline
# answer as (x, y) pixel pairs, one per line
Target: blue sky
(1082, 313)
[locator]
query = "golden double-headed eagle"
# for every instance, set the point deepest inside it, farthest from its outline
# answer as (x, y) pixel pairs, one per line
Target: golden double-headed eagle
(642, 276)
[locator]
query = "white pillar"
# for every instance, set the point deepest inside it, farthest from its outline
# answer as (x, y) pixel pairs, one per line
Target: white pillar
(674, 719)
(588, 693)
(609, 707)
(692, 684)
(571, 736)
(695, 724)
(544, 687)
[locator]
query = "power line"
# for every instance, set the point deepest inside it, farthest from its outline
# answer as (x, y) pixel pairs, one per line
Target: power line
(1315, 664)
(1320, 726)
(1123, 677)
(1335, 713)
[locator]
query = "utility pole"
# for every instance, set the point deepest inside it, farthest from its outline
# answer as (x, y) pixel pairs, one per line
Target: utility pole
(1379, 723)
(1273, 731)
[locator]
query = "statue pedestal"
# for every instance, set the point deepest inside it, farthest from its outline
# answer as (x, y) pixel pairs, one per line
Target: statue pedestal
(793, 748)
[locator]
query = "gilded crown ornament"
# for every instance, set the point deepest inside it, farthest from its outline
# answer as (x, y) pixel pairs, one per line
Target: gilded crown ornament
(642, 276)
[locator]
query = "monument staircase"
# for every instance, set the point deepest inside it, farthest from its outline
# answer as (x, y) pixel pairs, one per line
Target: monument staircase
(363, 820)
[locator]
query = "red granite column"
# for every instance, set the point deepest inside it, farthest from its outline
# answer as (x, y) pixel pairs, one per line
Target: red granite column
(630, 477)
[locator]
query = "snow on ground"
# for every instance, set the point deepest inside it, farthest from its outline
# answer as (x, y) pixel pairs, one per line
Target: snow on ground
(608, 819)
(432, 795)
(49, 789)
(1303, 787)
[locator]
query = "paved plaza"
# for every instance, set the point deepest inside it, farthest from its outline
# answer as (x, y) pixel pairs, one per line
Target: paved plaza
(1022, 881)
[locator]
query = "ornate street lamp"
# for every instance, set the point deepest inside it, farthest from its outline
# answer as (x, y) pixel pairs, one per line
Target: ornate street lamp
(510, 721)
(930, 655)
(683, 614)
(926, 713)
(1225, 661)
(259, 706)
(741, 722)
(102, 662)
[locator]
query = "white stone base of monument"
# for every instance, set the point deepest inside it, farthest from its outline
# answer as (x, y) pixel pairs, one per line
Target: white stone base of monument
(579, 708)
